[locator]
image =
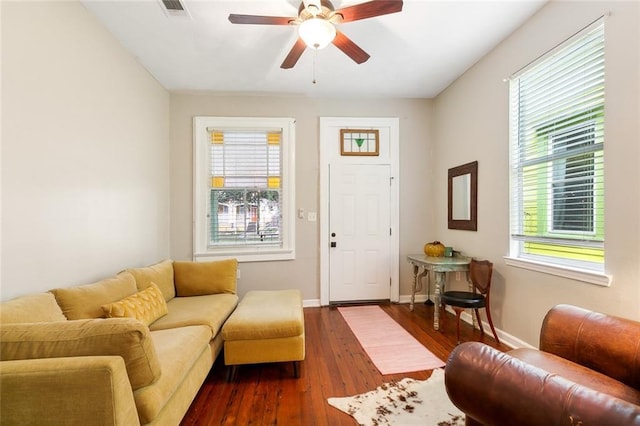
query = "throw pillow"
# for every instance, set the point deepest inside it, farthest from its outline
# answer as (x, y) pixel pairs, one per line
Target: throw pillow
(200, 278)
(41, 307)
(147, 306)
(85, 301)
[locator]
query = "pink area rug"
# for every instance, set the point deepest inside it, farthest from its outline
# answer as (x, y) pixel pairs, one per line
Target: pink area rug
(391, 348)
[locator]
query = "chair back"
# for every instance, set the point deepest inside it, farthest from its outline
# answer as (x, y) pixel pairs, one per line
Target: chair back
(480, 272)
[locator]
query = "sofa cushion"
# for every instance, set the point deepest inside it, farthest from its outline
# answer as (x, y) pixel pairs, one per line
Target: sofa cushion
(125, 337)
(176, 363)
(266, 314)
(147, 306)
(85, 301)
(161, 273)
(41, 307)
(200, 278)
(211, 310)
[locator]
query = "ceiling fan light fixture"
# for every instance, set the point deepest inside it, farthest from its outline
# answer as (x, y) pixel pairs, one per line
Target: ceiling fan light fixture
(317, 33)
(314, 7)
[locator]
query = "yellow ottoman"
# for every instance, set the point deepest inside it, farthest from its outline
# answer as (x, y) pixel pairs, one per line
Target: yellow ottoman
(267, 326)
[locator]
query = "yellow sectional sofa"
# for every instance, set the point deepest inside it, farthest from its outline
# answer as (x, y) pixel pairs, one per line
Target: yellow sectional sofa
(131, 349)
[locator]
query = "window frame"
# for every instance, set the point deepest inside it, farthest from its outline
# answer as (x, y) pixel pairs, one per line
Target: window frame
(556, 265)
(551, 215)
(202, 251)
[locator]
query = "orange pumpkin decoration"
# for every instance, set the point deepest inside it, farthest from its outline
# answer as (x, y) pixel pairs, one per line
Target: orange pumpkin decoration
(434, 249)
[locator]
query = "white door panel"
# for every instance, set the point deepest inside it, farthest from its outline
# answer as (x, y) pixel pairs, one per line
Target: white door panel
(359, 225)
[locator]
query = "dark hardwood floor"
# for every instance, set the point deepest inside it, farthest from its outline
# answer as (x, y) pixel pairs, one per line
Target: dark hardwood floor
(335, 365)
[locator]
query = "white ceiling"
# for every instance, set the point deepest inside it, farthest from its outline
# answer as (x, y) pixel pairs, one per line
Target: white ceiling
(415, 53)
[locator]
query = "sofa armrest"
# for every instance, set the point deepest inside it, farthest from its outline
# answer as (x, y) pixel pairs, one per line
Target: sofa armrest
(124, 337)
(604, 343)
(67, 391)
(493, 388)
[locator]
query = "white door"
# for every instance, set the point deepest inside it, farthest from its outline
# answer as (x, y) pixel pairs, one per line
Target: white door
(359, 228)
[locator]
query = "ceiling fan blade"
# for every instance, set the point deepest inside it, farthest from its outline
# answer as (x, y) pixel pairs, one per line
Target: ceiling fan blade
(351, 49)
(370, 9)
(294, 54)
(260, 20)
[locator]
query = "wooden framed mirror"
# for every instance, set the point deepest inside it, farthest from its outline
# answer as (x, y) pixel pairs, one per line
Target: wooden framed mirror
(463, 197)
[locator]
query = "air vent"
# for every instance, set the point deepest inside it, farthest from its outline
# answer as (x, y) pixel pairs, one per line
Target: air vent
(172, 4)
(174, 8)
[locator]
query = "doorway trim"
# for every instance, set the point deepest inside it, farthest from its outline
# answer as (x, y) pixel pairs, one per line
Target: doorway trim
(326, 156)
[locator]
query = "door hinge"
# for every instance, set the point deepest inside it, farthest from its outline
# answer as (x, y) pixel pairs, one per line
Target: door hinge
(390, 232)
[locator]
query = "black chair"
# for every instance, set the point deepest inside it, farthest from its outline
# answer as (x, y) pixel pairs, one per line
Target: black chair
(480, 272)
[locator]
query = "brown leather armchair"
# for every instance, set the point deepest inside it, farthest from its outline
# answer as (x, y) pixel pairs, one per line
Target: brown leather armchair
(586, 372)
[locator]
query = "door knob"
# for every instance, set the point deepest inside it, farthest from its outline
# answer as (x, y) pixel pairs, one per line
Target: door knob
(333, 234)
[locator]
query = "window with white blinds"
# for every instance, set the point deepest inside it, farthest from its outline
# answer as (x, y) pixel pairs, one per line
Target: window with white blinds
(243, 188)
(557, 155)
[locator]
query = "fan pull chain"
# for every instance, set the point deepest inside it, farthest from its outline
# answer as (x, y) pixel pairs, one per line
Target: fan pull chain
(315, 53)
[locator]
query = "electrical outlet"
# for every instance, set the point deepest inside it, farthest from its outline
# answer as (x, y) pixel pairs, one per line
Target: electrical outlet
(312, 216)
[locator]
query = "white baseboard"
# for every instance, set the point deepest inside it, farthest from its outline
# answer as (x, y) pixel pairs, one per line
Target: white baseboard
(311, 303)
(420, 298)
(505, 338)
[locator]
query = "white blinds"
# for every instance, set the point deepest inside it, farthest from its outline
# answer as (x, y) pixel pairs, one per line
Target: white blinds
(245, 203)
(245, 159)
(557, 158)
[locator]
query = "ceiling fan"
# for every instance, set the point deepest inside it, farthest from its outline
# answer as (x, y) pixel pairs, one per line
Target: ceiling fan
(316, 23)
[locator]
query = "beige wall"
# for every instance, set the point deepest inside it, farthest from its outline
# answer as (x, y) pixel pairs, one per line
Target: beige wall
(85, 156)
(303, 272)
(471, 123)
(95, 154)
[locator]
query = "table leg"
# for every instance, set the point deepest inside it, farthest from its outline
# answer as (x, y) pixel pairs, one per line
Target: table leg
(414, 286)
(436, 308)
(426, 274)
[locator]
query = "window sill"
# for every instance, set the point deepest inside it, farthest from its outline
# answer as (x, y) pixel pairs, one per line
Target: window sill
(253, 256)
(591, 277)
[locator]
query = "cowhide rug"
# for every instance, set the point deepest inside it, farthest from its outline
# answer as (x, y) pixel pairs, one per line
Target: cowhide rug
(407, 402)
